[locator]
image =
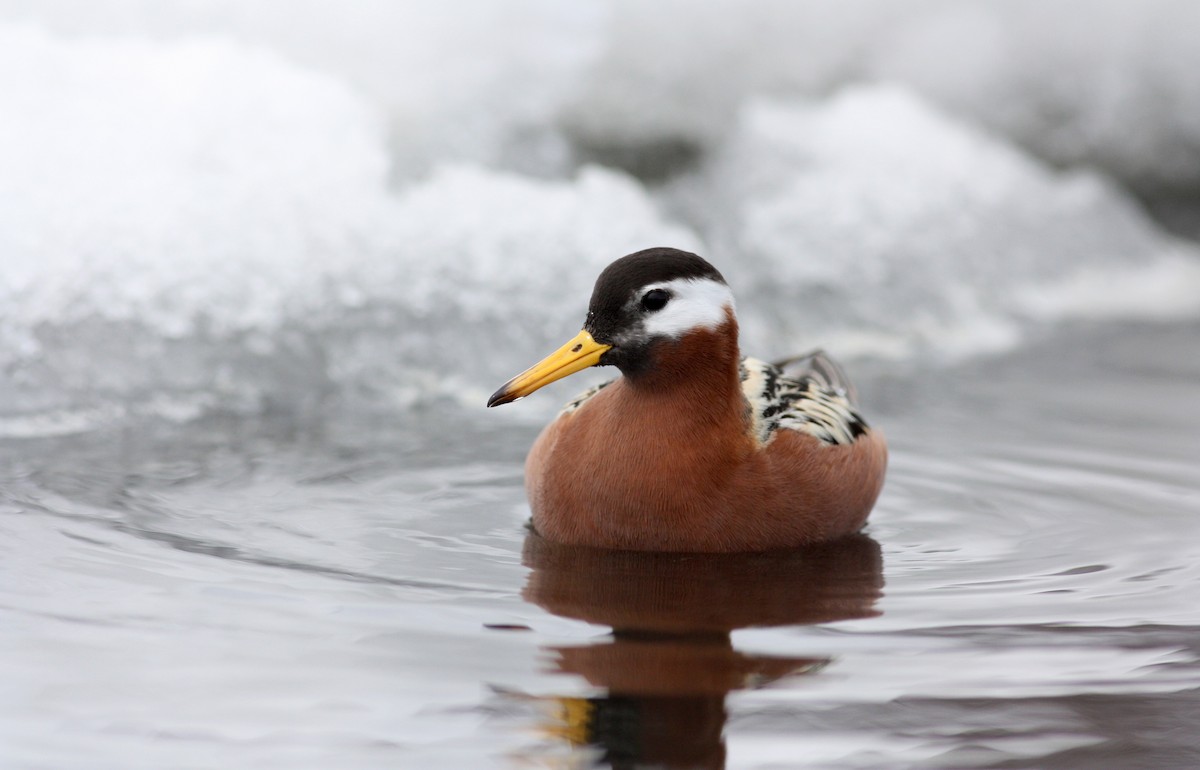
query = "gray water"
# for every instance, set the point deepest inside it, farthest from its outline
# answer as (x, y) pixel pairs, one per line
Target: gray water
(358, 591)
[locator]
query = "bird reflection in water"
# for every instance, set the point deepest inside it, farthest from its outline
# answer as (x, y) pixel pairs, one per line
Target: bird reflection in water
(669, 662)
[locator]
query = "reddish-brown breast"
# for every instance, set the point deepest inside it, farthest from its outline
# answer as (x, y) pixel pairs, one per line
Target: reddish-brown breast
(666, 462)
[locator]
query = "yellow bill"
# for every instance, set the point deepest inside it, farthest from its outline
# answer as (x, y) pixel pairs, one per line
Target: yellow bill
(577, 355)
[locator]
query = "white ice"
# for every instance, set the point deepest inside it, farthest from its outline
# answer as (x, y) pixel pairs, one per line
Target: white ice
(239, 203)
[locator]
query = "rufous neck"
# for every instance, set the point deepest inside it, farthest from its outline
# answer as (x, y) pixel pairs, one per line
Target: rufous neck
(701, 366)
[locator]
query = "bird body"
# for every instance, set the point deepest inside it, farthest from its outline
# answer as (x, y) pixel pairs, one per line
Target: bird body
(694, 448)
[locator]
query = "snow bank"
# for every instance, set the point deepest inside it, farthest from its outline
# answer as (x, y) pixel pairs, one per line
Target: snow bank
(1111, 84)
(874, 222)
(206, 219)
(534, 84)
(220, 204)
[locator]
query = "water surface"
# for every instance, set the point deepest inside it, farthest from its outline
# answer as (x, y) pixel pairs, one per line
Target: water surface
(359, 591)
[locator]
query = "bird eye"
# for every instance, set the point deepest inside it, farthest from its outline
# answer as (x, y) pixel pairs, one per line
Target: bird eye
(655, 299)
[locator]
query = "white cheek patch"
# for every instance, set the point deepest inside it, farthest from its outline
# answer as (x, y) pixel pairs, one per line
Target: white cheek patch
(696, 303)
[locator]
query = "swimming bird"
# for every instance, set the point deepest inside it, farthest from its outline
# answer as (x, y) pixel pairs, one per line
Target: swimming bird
(693, 448)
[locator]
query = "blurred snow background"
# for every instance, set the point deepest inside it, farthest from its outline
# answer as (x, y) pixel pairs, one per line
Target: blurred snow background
(210, 204)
